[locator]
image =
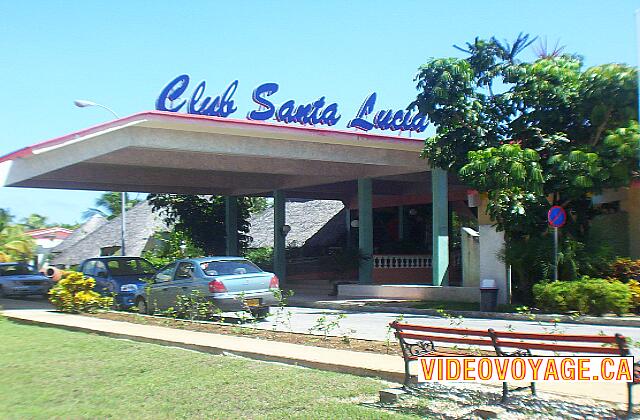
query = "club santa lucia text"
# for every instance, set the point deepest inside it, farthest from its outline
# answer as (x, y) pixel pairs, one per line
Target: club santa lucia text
(174, 98)
(489, 369)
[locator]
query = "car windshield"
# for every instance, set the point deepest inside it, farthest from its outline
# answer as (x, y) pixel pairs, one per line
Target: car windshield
(229, 268)
(130, 267)
(16, 270)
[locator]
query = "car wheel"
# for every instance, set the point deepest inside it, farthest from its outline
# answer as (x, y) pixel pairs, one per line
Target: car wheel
(142, 306)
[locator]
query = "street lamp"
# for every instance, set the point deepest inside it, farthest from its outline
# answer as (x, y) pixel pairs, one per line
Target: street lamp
(82, 103)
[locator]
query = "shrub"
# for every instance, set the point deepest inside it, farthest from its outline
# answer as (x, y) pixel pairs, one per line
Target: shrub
(74, 293)
(262, 257)
(585, 296)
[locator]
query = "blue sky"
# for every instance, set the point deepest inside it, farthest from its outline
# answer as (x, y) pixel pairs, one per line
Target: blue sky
(121, 54)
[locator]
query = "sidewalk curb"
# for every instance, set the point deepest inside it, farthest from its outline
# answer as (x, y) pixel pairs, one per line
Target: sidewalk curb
(387, 375)
(567, 319)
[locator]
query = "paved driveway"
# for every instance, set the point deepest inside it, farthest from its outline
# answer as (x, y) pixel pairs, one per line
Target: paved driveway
(373, 325)
(26, 303)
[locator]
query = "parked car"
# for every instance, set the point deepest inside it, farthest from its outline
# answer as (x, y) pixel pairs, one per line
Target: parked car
(19, 279)
(123, 276)
(232, 284)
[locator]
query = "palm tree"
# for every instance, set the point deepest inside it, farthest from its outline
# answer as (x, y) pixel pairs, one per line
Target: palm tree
(15, 245)
(5, 218)
(109, 205)
(35, 221)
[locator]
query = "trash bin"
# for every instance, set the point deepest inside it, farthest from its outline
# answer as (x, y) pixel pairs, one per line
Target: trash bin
(488, 295)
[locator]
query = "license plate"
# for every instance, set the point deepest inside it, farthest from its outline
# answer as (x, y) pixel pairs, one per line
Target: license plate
(252, 302)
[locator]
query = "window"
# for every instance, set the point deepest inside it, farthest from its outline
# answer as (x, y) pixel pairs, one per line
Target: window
(130, 267)
(16, 270)
(229, 268)
(165, 274)
(88, 268)
(185, 271)
(101, 270)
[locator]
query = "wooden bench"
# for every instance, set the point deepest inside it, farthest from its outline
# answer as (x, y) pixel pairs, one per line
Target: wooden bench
(420, 341)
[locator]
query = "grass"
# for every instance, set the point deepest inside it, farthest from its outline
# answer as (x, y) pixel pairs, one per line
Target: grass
(53, 373)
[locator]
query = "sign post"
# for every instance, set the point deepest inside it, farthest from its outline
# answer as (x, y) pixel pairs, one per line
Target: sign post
(556, 217)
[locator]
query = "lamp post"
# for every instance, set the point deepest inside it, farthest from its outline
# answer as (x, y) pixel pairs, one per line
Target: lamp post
(81, 103)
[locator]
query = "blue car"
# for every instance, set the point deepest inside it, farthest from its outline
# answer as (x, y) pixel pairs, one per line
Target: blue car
(125, 277)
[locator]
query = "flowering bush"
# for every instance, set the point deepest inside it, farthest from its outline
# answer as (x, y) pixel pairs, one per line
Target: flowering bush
(625, 269)
(634, 288)
(74, 293)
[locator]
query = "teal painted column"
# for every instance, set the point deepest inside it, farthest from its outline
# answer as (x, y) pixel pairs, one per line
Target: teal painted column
(440, 227)
(365, 230)
(279, 257)
(231, 224)
(401, 222)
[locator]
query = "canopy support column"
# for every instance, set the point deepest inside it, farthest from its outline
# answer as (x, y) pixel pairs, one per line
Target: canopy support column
(365, 230)
(279, 234)
(440, 228)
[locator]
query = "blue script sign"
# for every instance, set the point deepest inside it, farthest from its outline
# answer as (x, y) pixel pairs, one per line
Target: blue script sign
(318, 112)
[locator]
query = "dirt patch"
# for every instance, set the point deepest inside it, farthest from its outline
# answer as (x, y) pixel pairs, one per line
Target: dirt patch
(246, 330)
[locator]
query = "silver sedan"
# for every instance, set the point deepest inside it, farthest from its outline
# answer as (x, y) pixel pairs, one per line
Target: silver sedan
(19, 279)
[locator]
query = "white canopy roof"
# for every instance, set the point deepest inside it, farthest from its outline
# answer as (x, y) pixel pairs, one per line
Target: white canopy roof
(177, 153)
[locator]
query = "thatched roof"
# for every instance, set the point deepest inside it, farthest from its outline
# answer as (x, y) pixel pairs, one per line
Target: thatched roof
(306, 218)
(94, 222)
(141, 224)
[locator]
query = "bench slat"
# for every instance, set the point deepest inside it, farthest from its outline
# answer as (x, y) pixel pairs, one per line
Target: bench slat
(441, 330)
(446, 339)
(558, 347)
(558, 337)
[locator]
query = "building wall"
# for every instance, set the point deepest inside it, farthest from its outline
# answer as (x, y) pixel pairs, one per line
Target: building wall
(612, 230)
(470, 250)
(403, 275)
(631, 204)
(491, 244)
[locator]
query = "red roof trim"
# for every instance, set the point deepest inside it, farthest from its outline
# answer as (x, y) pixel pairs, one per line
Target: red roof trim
(164, 115)
(52, 229)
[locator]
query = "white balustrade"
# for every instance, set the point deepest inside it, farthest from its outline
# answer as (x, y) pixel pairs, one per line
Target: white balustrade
(401, 261)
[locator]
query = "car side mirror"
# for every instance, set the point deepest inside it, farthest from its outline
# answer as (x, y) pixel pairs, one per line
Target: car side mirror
(101, 274)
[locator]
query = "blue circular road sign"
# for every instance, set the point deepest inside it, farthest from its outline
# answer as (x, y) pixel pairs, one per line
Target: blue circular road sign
(557, 217)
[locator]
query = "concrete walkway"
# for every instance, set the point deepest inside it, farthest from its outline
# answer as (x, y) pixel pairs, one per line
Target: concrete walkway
(364, 364)
(375, 305)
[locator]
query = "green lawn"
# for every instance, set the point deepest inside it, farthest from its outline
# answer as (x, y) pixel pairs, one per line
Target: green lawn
(52, 373)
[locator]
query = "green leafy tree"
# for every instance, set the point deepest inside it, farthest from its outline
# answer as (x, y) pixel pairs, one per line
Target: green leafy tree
(109, 205)
(257, 204)
(201, 219)
(170, 247)
(71, 226)
(531, 134)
